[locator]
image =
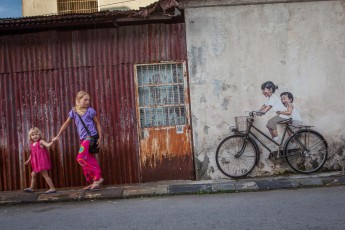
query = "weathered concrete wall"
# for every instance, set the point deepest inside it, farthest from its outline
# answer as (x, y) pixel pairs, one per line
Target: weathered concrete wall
(109, 4)
(45, 7)
(232, 50)
(39, 7)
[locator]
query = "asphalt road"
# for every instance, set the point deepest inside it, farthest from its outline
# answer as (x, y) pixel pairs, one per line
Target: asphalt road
(313, 208)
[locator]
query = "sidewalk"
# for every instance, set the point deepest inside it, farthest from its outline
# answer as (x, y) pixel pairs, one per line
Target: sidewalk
(165, 188)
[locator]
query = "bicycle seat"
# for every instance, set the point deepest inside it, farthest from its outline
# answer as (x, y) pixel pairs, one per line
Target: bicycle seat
(287, 121)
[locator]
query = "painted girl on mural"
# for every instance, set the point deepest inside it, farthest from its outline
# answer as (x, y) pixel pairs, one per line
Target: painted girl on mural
(86, 160)
(273, 102)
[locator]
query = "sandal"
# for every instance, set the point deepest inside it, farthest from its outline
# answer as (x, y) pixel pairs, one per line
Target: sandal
(97, 187)
(87, 187)
(29, 190)
(50, 191)
(97, 184)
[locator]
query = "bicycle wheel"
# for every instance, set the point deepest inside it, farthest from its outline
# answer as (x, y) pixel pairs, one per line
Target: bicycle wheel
(306, 151)
(236, 156)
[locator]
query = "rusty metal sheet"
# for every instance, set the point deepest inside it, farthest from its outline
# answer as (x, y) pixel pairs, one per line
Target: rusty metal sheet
(163, 111)
(167, 155)
(40, 73)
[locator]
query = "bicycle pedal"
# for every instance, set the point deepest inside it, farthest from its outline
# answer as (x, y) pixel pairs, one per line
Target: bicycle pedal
(273, 155)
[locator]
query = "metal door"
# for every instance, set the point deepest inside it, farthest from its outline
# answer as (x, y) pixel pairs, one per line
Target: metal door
(164, 124)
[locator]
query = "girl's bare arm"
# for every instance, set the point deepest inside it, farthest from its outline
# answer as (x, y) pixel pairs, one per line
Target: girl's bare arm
(262, 107)
(46, 144)
(63, 127)
(265, 108)
(27, 162)
(99, 129)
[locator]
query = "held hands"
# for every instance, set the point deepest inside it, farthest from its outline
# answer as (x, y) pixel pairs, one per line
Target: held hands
(55, 139)
(27, 162)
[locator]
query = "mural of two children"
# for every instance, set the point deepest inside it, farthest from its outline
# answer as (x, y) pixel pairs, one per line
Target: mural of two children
(283, 107)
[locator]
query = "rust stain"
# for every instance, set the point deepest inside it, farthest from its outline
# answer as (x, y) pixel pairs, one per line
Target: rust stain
(180, 168)
(167, 153)
(165, 142)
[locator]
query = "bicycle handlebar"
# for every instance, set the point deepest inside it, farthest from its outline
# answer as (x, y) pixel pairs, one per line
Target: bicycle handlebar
(256, 113)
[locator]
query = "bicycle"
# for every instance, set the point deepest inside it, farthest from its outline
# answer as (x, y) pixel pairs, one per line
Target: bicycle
(305, 150)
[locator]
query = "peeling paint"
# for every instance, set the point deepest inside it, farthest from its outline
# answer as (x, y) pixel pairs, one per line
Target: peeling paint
(203, 99)
(232, 87)
(217, 87)
(206, 128)
(220, 36)
(201, 167)
(225, 103)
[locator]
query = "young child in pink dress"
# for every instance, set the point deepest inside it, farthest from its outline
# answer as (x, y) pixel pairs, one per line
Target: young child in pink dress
(39, 158)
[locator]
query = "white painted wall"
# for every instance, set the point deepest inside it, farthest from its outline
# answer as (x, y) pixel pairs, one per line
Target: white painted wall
(232, 50)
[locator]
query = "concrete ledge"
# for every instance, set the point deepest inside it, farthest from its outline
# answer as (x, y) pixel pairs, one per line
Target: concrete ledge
(177, 187)
(145, 191)
(341, 180)
(246, 186)
(190, 188)
(310, 182)
(17, 197)
(61, 196)
(274, 184)
(107, 193)
(224, 187)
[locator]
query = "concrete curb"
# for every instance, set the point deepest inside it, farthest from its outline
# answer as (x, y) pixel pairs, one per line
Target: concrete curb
(165, 188)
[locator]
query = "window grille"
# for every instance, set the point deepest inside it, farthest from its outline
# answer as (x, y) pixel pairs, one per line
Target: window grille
(77, 6)
(161, 95)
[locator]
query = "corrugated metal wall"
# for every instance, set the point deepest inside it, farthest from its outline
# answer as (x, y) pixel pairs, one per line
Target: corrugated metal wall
(40, 73)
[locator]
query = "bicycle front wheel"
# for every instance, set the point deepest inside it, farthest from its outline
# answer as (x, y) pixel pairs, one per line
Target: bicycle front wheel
(306, 151)
(236, 156)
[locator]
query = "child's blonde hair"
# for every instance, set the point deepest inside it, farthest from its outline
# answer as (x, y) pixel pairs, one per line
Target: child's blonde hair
(32, 131)
(78, 97)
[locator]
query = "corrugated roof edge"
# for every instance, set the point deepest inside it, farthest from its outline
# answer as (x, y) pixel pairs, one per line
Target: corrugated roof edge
(160, 10)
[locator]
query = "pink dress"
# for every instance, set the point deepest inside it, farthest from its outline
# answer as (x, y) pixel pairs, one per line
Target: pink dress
(39, 158)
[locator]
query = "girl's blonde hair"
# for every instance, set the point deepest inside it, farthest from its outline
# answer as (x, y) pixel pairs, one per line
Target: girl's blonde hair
(32, 131)
(78, 97)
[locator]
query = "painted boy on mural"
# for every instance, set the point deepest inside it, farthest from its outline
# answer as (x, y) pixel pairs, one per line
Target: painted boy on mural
(291, 110)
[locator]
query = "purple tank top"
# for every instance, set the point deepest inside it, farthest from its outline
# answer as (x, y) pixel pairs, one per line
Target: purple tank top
(88, 120)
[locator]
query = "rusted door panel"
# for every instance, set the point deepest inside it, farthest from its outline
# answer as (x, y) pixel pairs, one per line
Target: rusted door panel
(164, 132)
(166, 154)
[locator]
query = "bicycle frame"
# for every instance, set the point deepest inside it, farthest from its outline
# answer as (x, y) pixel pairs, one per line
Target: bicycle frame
(250, 134)
(304, 149)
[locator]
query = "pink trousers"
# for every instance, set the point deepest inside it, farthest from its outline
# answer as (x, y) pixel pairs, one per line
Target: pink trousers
(88, 162)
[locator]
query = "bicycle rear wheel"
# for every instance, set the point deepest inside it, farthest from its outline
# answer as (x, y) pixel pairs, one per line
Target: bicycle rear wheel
(236, 156)
(306, 151)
